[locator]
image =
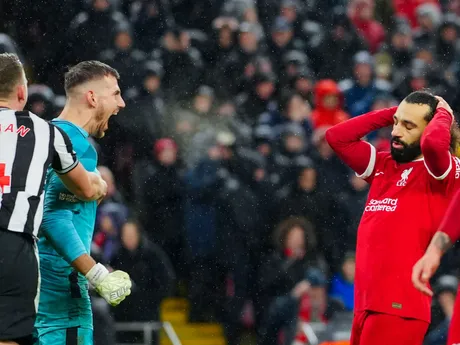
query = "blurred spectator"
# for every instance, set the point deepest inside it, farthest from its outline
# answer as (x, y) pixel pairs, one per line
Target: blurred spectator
(361, 13)
(329, 104)
(98, 23)
(292, 109)
(293, 62)
(408, 9)
(453, 6)
(196, 13)
(159, 199)
(222, 42)
(352, 200)
(111, 215)
(41, 102)
(243, 11)
(290, 154)
(283, 278)
(125, 58)
(303, 83)
(259, 98)
(151, 19)
(429, 18)
(150, 270)
(200, 225)
(400, 49)
(179, 58)
(448, 44)
(238, 221)
(331, 172)
(342, 285)
(239, 66)
(144, 119)
(282, 41)
(304, 199)
(305, 29)
(361, 90)
(445, 291)
(341, 42)
(185, 122)
(290, 10)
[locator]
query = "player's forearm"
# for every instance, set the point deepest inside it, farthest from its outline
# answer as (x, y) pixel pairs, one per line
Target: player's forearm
(435, 143)
(60, 231)
(83, 264)
(345, 138)
(356, 128)
(440, 243)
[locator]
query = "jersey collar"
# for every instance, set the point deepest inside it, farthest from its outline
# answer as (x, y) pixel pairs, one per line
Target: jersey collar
(81, 130)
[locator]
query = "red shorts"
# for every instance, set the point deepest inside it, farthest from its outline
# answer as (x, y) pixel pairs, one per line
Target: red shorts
(371, 328)
(454, 329)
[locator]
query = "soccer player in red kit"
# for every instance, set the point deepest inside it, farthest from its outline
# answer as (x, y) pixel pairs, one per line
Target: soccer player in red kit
(410, 188)
(447, 234)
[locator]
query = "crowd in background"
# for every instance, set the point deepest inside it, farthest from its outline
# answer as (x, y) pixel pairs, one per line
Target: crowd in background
(222, 187)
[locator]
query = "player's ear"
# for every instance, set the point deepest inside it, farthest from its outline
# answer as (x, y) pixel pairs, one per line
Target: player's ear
(91, 99)
(22, 93)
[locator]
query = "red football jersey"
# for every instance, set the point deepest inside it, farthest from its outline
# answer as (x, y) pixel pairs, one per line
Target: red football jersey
(405, 207)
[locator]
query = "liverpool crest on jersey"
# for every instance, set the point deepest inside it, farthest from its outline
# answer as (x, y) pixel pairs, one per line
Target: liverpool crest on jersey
(404, 177)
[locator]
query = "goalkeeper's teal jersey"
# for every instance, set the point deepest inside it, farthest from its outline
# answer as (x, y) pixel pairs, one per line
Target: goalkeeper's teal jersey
(65, 234)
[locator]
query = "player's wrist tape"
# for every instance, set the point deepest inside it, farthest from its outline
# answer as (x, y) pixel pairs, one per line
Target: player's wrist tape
(97, 274)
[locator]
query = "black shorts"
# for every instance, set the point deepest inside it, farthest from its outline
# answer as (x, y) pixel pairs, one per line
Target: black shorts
(18, 286)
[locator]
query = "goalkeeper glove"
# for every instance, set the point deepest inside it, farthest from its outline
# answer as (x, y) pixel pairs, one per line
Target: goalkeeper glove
(113, 287)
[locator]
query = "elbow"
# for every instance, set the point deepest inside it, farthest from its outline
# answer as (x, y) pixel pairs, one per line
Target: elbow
(331, 137)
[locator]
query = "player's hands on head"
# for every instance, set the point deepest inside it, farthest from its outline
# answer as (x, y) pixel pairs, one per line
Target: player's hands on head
(114, 287)
(442, 103)
(423, 270)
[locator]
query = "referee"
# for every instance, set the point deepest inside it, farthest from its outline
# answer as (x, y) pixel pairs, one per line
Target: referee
(28, 147)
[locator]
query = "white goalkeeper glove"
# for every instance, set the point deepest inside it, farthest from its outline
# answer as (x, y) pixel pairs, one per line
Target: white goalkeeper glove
(113, 287)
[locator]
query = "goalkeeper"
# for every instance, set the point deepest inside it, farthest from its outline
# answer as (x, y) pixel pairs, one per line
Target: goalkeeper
(64, 313)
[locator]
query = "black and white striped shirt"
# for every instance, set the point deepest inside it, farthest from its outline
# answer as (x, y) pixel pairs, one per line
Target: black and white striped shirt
(28, 146)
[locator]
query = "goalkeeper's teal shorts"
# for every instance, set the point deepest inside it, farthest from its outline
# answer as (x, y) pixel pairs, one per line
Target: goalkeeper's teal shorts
(67, 336)
(64, 301)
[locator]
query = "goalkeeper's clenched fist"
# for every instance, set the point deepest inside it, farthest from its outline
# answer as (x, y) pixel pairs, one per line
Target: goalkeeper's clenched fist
(113, 287)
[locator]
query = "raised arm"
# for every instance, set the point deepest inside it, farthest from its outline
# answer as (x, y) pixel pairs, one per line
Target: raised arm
(435, 142)
(85, 185)
(346, 139)
(61, 232)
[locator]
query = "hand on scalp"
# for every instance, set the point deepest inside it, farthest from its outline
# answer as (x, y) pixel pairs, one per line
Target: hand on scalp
(442, 103)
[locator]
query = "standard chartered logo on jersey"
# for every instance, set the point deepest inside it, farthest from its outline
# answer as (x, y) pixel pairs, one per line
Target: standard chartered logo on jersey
(457, 174)
(383, 205)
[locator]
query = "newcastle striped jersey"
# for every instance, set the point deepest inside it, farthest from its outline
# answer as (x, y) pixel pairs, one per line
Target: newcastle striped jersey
(28, 146)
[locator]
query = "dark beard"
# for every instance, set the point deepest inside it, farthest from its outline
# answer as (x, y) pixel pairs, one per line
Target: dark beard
(407, 154)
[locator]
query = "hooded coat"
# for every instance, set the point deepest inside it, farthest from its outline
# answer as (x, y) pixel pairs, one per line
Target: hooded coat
(322, 115)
